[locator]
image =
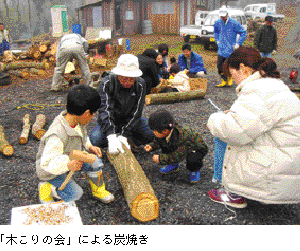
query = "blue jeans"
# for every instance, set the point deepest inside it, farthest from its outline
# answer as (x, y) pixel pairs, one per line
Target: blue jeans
(4, 46)
(220, 148)
(72, 191)
(266, 55)
(141, 134)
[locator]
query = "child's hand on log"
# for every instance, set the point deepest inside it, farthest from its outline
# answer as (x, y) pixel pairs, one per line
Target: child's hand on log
(155, 158)
(74, 165)
(148, 148)
(96, 150)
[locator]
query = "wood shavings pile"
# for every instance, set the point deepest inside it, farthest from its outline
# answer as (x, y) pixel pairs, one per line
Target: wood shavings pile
(46, 215)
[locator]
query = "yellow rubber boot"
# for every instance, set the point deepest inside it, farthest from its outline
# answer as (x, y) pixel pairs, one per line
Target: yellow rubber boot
(223, 83)
(99, 191)
(229, 82)
(45, 192)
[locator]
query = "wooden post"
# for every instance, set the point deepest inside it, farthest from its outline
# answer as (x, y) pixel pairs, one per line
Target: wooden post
(20, 65)
(37, 128)
(26, 129)
(137, 189)
(5, 147)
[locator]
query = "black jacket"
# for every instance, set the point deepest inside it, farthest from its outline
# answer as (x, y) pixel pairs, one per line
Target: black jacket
(150, 72)
(266, 39)
(121, 108)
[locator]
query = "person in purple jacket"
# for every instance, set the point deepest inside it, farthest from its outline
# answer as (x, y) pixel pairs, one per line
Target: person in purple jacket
(191, 62)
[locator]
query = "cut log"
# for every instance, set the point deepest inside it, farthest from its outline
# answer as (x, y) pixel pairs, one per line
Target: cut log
(37, 128)
(173, 97)
(20, 65)
(8, 56)
(44, 46)
(5, 147)
(26, 129)
(137, 189)
(32, 50)
(53, 48)
(37, 55)
(37, 71)
(19, 73)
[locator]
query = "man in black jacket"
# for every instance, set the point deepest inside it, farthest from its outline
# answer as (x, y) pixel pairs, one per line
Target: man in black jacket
(149, 68)
(122, 101)
(266, 38)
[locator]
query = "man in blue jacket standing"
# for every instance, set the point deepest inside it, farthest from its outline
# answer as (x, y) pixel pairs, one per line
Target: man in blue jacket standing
(191, 62)
(226, 30)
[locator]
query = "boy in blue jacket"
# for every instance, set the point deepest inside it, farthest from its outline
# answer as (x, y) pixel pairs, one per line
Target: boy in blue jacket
(191, 62)
(226, 30)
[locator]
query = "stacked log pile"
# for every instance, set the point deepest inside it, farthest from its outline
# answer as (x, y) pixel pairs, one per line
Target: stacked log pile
(34, 61)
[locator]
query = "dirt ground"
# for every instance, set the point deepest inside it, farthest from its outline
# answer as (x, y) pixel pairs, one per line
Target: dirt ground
(180, 202)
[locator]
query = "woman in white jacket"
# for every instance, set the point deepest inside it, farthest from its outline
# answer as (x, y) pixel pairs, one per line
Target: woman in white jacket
(262, 132)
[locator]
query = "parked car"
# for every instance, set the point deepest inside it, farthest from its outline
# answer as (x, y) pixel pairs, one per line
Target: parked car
(260, 11)
(207, 29)
(200, 17)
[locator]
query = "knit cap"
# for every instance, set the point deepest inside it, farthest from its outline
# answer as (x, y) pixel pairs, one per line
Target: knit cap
(161, 120)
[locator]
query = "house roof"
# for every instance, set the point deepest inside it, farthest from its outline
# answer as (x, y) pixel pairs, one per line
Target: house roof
(90, 3)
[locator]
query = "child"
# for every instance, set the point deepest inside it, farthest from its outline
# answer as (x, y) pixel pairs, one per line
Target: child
(177, 144)
(68, 132)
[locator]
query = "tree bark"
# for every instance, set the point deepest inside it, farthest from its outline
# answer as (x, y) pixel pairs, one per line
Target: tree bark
(137, 189)
(5, 147)
(173, 97)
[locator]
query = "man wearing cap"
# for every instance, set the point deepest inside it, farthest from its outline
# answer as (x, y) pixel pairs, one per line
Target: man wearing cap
(266, 38)
(120, 118)
(70, 46)
(226, 30)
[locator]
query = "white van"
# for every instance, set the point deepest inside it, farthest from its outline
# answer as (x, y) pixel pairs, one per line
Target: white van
(207, 31)
(200, 17)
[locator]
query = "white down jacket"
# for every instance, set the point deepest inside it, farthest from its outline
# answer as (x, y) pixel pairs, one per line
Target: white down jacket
(262, 132)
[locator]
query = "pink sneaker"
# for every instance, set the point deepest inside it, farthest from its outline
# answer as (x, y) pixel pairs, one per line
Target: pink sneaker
(229, 199)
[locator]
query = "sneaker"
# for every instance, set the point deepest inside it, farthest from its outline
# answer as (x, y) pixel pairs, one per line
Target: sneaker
(170, 169)
(195, 177)
(226, 198)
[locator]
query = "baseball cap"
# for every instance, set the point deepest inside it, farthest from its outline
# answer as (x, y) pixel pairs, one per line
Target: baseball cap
(223, 13)
(127, 66)
(269, 18)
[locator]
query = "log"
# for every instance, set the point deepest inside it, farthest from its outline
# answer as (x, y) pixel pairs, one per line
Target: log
(5, 147)
(8, 56)
(20, 65)
(173, 97)
(19, 73)
(37, 71)
(37, 55)
(53, 48)
(44, 46)
(37, 128)
(32, 50)
(137, 189)
(26, 129)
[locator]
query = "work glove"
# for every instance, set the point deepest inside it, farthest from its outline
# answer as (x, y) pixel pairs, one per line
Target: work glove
(217, 42)
(236, 46)
(114, 144)
(123, 140)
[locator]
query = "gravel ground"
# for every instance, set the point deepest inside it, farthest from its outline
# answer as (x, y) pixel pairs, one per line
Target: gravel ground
(180, 202)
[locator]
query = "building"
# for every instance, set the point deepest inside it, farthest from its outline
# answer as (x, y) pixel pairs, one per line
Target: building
(131, 17)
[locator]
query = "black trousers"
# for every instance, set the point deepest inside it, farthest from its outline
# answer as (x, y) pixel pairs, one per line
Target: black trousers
(194, 161)
(220, 63)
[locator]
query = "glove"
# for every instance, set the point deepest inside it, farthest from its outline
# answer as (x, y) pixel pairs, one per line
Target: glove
(200, 74)
(274, 52)
(218, 42)
(236, 46)
(123, 140)
(114, 144)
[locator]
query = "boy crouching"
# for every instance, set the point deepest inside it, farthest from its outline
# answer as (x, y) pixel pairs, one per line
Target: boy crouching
(66, 133)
